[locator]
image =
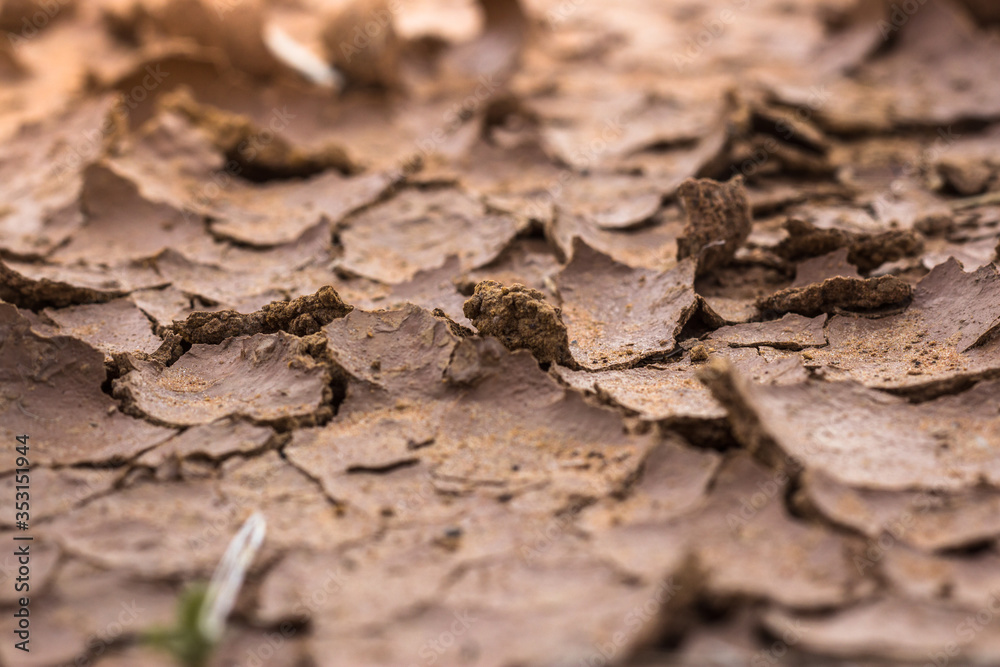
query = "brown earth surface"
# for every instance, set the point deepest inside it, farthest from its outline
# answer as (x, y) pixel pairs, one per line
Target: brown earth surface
(541, 332)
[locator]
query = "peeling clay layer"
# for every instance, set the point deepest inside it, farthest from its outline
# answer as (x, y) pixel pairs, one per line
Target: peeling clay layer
(536, 336)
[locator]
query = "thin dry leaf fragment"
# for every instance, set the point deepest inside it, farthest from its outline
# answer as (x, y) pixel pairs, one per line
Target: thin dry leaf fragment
(227, 580)
(839, 293)
(300, 317)
(300, 58)
(718, 221)
(520, 318)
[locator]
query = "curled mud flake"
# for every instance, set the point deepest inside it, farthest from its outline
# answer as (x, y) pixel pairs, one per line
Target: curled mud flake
(748, 544)
(630, 213)
(718, 221)
(276, 213)
(651, 246)
(928, 520)
(39, 290)
(83, 424)
(211, 441)
(419, 230)
(521, 319)
(615, 315)
(433, 289)
(114, 327)
(262, 377)
(402, 352)
(123, 225)
(668, 392)
(969, 579)
(791, 332)
(839, 293)
(862, 437)
(890, 629)
(956, 302)
(40, 174)
(300, 317)
(945, 341)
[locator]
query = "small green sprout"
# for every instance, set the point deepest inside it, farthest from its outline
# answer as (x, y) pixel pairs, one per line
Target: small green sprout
(202, 610)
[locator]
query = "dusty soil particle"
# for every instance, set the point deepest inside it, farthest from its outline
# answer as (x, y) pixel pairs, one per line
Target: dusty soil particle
(839, 293)
(718, 221)
(301, 317)
(521, 319)
(699, 353)
(867, 251)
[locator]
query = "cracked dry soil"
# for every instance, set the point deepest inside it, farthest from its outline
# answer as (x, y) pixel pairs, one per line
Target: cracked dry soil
(541, 332)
